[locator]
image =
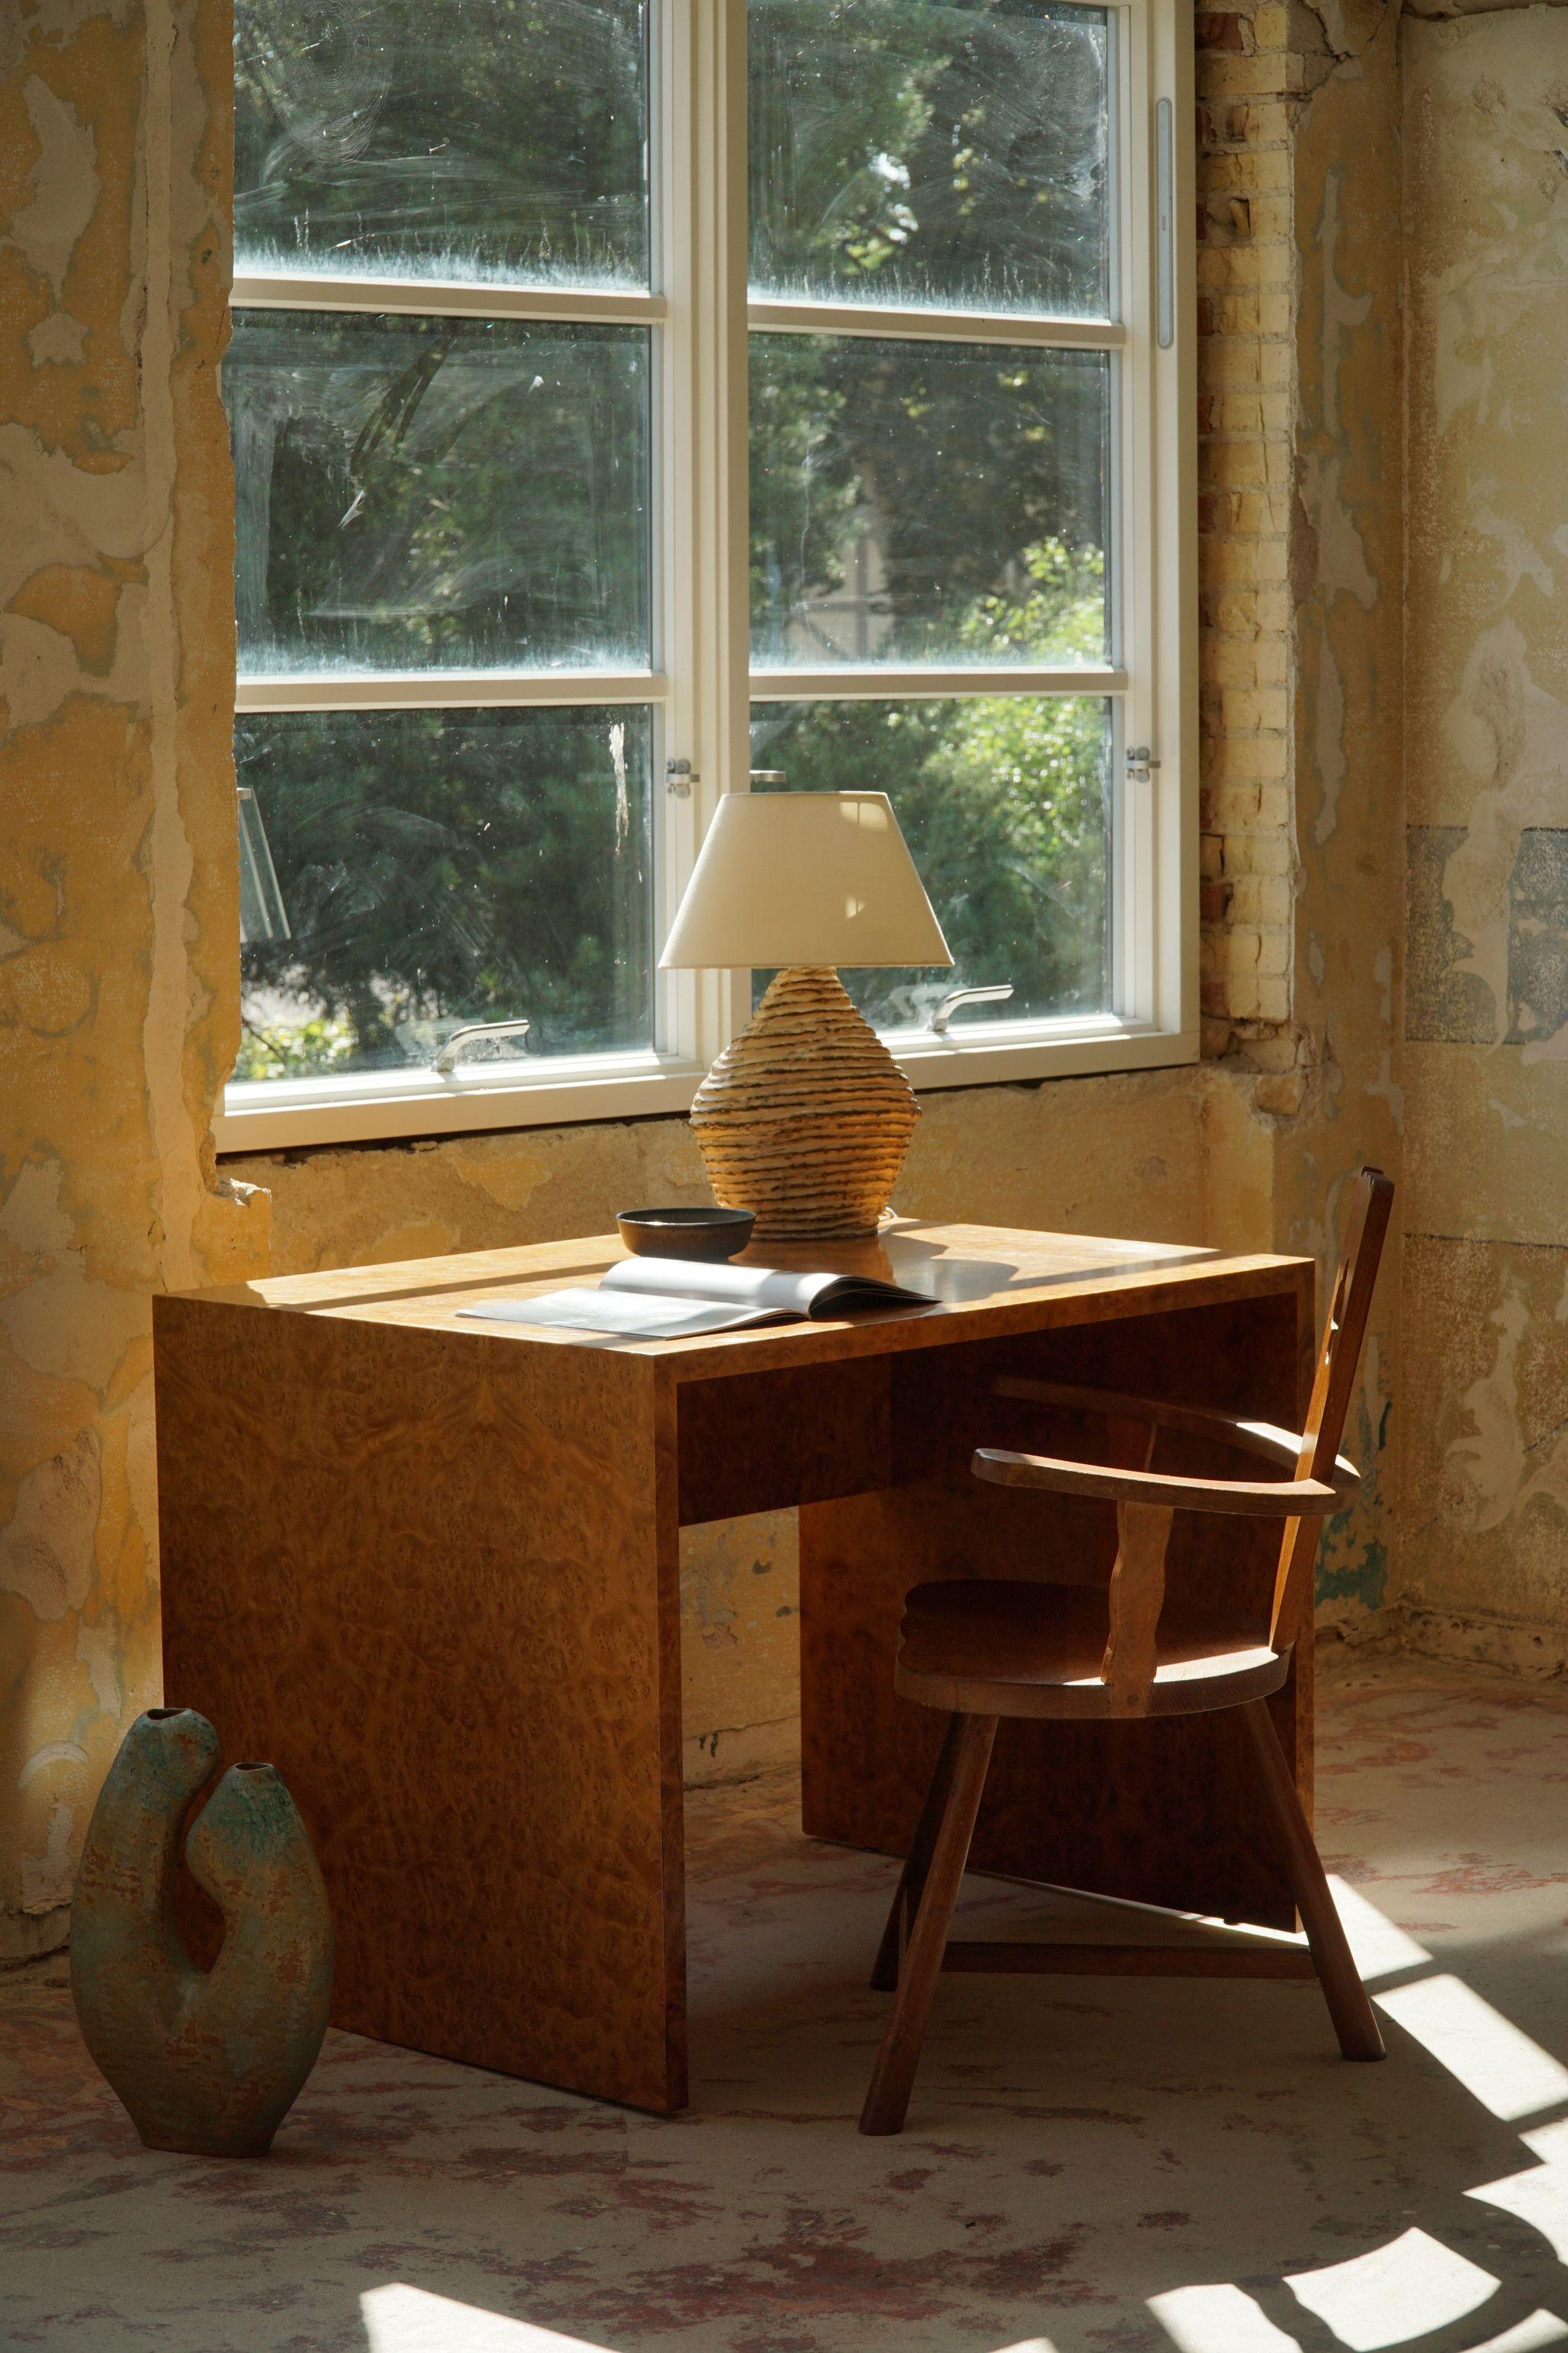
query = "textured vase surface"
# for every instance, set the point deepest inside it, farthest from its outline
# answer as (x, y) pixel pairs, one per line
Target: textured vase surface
(204, 2060)
(806, 1117)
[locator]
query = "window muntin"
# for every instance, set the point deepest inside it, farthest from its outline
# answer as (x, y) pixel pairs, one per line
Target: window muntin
(1047, 601)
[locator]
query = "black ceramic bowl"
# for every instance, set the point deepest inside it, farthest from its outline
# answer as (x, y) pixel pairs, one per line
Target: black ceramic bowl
(686, 1233)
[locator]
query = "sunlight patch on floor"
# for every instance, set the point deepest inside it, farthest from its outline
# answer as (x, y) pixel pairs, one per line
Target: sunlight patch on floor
(1379, 1948)
(1538, 2196)
(1406, 2289)
(1541, 2329)
(1511, 2075)
(1218, 2319)
(402, 2320)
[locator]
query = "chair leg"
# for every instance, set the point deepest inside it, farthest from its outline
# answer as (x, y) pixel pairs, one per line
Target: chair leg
(912, 1879)
(892, 2078)
(1356, 2020)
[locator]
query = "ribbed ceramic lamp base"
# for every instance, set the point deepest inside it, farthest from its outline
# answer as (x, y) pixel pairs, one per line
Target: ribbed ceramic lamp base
(806, 1117)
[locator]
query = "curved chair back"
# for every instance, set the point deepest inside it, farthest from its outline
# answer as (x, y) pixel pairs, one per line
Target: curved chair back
(1334, 1386)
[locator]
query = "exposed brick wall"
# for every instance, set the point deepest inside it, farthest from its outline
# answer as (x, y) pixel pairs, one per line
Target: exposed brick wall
(1249, 75)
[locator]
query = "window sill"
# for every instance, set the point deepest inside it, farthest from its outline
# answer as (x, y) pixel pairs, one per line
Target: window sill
(392, 1106)
(268, 1114)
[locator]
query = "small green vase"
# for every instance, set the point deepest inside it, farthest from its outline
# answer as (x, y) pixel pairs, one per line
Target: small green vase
(208, 2062)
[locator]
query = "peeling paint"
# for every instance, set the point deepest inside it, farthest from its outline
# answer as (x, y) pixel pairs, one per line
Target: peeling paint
(118, 1007)
(46, 1546)
(63, 186)
(118, 1015)
(1363, 1580)
(1347, 750)
(1487, 1353)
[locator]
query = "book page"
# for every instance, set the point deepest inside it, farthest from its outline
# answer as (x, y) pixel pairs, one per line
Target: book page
(756, 1287)
(635, 1315)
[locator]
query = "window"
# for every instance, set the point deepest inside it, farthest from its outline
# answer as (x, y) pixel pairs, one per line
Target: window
(634, 399)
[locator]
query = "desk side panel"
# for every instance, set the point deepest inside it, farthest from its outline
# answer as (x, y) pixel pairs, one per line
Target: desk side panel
(434, 1580)
(1162, 1812)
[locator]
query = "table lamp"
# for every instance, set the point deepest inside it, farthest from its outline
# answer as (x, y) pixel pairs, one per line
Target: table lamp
(806, 1117)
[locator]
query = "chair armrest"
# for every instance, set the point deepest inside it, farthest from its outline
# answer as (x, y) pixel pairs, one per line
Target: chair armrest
(1264, 1437)
(1285, 1499)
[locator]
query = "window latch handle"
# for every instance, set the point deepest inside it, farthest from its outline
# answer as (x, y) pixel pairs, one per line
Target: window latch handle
(957, 997)
(679, 778)
(1140, 759)
(446, 1062)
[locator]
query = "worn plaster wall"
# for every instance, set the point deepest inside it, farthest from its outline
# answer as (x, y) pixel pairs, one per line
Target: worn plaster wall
(118, 995)
(1487, 1010)
(1347, 669)
(117, 964)
(1301, 560)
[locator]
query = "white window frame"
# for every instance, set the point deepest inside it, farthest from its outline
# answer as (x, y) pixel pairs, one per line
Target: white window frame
(701, 688)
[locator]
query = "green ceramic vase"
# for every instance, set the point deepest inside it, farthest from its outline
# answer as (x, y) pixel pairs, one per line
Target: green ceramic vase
(205, 2060)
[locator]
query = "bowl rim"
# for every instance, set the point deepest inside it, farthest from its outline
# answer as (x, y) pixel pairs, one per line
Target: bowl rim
(693, 1219)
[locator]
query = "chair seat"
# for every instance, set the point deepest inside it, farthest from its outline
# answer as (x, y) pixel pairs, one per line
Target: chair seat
(987, 1646)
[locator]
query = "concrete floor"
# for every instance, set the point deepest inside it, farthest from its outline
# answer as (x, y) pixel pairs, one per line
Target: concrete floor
(1090, 2166)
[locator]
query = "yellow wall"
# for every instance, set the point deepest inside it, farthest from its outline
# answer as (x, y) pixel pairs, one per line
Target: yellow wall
(117, 925)
(1347, 682)
(118, 1011)
(1487, 748)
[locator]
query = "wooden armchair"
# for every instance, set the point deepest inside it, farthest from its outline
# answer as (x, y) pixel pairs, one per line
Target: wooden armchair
(984, 1649)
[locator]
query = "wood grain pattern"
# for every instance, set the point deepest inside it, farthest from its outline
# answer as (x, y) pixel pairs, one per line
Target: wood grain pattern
(1165, 1812)
(1333, 1385)
(434, 1580)
(985, 1281)
(1015, 1648)
(428, 1567)
(888, 2095)
(1350, 2007)
(760, 1442)
(1135, 1597)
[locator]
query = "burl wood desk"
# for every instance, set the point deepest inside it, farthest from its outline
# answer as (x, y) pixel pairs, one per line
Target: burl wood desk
(428, 1567)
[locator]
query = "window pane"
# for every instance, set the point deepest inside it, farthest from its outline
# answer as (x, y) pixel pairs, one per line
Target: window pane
(448, 493)
(907, 154)
(927, 501)
(437, 867)
(1004, 801)
(477, 140)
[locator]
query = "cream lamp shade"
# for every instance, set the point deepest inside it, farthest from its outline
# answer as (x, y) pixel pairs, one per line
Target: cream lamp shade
(805, 879)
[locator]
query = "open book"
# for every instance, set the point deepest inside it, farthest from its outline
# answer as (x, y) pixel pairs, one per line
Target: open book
(668, 1298)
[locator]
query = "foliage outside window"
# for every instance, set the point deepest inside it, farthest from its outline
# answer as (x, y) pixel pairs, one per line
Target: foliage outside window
(465, 668)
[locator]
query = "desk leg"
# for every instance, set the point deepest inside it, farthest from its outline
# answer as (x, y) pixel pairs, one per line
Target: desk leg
(433, 1577)
(1163, 1813)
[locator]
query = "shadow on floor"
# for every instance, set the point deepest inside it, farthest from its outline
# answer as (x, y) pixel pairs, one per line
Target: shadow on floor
(1091, 2166)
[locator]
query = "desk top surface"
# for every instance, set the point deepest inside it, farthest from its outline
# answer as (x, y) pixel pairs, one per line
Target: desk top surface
(983, 1282)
